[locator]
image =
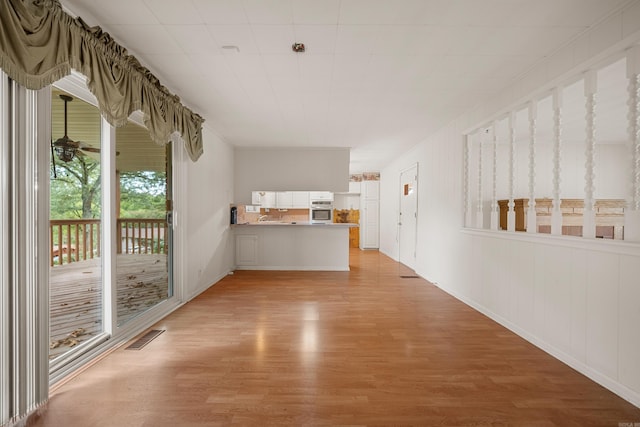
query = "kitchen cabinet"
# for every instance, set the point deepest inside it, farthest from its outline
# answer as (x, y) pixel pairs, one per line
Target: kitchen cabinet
(321, 195)
(256, 198)
(370, 215)
(284, 199)
(246, 249)
(281, 199)
(300, 199)
(370, 190)
(265, 199)
(354, 187)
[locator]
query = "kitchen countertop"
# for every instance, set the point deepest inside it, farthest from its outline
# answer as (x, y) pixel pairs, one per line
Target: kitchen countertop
(296, 224)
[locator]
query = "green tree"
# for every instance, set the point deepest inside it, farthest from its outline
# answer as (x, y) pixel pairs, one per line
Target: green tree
(75, 191)
(74, 187)
(143, 194)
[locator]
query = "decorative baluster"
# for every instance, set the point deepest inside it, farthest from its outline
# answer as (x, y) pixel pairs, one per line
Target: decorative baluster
(589, 213)
(632, 213)
(495, 213)
(556, 212)
(479, 213)
(465, 182)
(511, 214)
(531, 212)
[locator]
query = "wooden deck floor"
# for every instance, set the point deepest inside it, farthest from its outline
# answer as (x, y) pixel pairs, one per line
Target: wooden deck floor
(364, 347)
(76, 296)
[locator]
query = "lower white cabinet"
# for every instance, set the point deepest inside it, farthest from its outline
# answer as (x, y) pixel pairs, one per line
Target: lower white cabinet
(292, 247)
(246, 249)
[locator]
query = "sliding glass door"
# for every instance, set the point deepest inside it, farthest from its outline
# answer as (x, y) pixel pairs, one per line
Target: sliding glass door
(110, 242)
(75, 226)
(143, 205)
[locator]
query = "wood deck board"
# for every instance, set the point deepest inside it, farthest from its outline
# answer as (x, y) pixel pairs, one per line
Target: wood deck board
(76, 295)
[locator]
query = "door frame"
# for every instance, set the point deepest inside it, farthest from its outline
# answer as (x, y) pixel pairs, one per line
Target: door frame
(115, 334)
(415, 231)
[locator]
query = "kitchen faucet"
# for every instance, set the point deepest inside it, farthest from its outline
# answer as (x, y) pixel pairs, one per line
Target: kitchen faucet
(262, 217)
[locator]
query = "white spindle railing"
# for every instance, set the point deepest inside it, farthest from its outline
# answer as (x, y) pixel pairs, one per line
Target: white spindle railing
(531, 212)
(632, 213)
(556, 213)
(479, 213)
(589, 214)
(494, 198)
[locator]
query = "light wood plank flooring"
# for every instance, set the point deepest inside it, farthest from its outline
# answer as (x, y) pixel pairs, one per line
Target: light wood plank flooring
(364, 347)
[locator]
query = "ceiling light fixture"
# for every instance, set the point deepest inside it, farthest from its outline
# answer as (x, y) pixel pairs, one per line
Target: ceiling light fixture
(298, 47)
(233, 48)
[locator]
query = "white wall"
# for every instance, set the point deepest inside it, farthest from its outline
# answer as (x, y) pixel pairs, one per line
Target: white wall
(287, 169)
(208, 240)
(574, 298)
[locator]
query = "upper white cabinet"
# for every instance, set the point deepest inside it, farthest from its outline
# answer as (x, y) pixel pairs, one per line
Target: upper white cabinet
(354, 187)
(321, 195)
(370, 190)
(256, 198)
(284, 199)
(281, 199)
(300, 199)
(265, 199)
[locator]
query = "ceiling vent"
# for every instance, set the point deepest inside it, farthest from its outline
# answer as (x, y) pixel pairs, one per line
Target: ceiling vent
(298, 47)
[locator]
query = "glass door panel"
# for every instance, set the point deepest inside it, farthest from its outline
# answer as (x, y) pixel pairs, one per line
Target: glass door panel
(143, 238)
(76, 297)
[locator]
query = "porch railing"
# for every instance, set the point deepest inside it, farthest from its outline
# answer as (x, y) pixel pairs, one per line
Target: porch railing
(72, 240)
(142, 236)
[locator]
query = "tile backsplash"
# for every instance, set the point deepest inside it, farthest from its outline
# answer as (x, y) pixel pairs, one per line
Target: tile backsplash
(273, 214)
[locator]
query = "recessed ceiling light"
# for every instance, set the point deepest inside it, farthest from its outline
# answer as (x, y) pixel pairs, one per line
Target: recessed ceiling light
(297, 47)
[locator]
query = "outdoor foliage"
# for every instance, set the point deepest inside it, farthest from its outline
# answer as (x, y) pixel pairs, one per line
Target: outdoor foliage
(75, 191)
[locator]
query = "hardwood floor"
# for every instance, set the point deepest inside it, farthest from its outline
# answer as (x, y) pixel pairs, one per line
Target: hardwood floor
(364, 347)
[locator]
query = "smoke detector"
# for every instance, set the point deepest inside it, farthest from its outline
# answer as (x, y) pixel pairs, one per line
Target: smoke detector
(298, 47)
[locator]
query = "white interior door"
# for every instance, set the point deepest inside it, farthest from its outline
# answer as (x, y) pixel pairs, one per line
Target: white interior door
(407, 223)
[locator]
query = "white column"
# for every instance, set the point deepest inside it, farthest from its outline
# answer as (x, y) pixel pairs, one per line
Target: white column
(556, 212)
(632, 213)
(479, 213)
(495, 213)
(531, 212)
(589, 213)
(511, 215)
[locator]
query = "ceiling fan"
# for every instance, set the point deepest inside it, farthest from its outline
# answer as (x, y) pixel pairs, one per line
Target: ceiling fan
(66, 148)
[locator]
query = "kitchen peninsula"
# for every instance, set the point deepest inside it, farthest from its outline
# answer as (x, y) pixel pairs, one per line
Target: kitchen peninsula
(276, 245)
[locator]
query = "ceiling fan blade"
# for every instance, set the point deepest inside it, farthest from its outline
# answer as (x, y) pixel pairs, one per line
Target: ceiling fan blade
(89, 149)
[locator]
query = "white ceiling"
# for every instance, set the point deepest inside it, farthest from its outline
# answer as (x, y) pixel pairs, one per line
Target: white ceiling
(378, 76)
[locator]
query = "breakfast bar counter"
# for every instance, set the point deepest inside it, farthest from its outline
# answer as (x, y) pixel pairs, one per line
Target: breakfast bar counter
(276, 245)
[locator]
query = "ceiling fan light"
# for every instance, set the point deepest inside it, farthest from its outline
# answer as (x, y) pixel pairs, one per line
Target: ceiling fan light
(65, 153)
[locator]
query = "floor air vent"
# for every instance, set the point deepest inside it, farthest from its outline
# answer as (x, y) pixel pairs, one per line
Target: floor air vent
(409, 277)
(145, 339)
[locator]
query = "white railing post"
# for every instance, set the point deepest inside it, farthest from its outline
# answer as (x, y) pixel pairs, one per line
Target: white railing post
(495, 213)
(556, 212)
(511, 214)
(589, 213)
(531, 212)
(479, 213)
(465, 183)
(632, 212)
